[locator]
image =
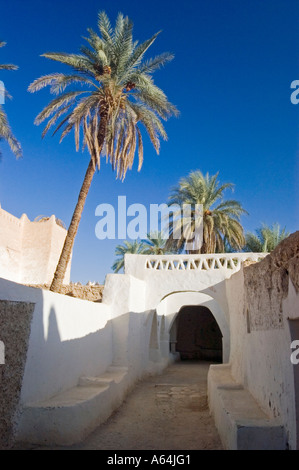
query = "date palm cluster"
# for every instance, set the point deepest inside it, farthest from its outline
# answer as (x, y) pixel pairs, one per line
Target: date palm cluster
(116, 95)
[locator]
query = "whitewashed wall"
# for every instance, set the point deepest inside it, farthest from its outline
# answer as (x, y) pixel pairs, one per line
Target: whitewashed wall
(162, 275)
(260, 355)
(69, 338)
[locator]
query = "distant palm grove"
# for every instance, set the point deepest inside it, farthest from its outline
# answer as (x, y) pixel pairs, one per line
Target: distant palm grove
(222, 228)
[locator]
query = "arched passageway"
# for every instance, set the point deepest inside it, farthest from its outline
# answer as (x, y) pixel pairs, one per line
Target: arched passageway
(198, 335)
(208, 325)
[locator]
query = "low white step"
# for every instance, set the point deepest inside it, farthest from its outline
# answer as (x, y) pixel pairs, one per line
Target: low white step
(69, 417)
(71, 398)
(113, 374)
(240, 421)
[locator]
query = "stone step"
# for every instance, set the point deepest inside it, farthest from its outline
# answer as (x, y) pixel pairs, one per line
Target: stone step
(70, 416)
(241, 422)
(71, 398)
(113, 374)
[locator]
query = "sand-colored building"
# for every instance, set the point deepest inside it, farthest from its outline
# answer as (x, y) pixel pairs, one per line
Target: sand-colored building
(29, 251)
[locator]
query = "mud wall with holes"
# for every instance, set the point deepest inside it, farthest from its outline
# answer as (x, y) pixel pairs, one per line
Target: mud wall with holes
(29, 251)
(15, 319)
(263, 300)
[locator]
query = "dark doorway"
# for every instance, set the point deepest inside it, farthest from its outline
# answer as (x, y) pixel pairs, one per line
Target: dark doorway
(198, 334)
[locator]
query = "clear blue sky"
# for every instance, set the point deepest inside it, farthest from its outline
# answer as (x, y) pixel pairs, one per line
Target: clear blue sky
(230, 79)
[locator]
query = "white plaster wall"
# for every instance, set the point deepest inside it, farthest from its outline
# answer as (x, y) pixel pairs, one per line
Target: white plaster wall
(238, 326)
(69, 338)
(124, 293)
(132, 324)
(171, 305)
(131, 344)
(10, 246)
(260, 359)
(160, 282)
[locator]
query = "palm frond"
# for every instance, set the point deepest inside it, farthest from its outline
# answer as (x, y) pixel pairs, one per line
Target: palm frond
(7, 135)
(220, 222)
(157, 62)
(119, 90)
(8, 67)
(139, 52)
(5, 129)
(265, 239)
(134, 247)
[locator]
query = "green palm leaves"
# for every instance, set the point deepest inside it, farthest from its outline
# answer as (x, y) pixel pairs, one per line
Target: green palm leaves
(105, 98)
(113, 84)
(266, 238)
(135, 248)
(221, 218)
(5, 129)
(6, 66)
(154, 244)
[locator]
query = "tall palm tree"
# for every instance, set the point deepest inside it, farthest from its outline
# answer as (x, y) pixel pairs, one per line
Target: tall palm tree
(135, 248)
(266, 238)
(118, 94)
(5, 129)
(220, 217)
(155, 244)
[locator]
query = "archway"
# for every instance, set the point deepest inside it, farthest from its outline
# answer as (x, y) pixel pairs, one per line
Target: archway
(168, 313)
(198, 334)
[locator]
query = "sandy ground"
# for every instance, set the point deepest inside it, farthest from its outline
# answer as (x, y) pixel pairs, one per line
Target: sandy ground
(165, 412)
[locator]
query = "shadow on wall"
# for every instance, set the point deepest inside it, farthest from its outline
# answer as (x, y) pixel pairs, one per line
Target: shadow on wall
(49, 347)
(57, 362)
(39, 362)
(136, 344)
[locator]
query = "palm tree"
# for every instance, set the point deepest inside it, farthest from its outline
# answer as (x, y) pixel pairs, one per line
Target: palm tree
(119, 93)
(220, 217)
(135, 248)
(5, 129)
(155, 244)
(266, 238)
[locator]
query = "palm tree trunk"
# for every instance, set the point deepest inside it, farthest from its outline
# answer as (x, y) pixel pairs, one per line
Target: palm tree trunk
(73, 228)
(204, 248)
(209, 245)
(72, 231)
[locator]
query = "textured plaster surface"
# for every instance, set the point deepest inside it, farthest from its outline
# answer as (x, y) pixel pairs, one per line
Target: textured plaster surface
(262, 297)
(15, 320)
(267, 284)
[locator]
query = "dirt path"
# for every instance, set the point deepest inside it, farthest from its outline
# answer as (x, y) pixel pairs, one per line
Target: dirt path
(165, 412)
